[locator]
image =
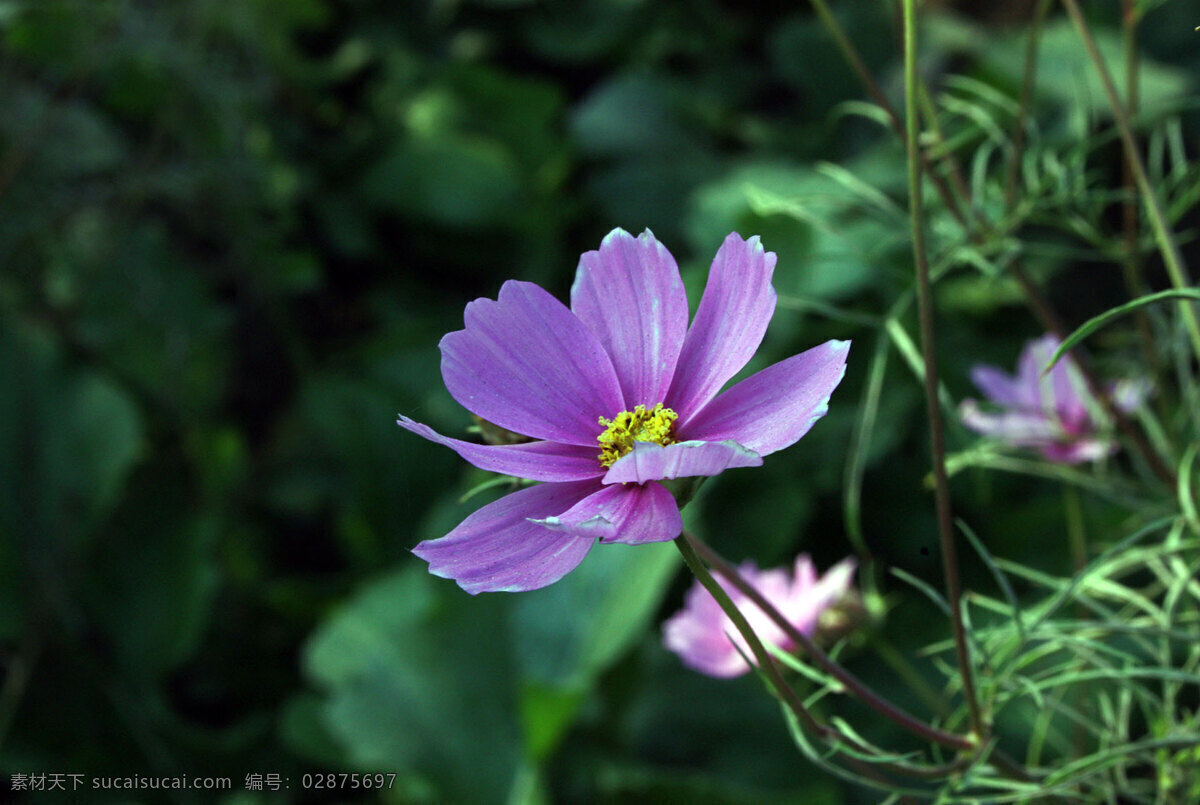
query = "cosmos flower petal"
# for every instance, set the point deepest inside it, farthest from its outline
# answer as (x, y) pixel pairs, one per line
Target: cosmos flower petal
(1129, 395)
(1054, 412)
(1033, 390)
(622, 513)
(699, 634)
(772, 409)
(630, 294)
(810, 596)
(997, 385)
(537, 461)
(733, 315)
(1067, 385)
(1026, 428)
(706, 640)
(1060, 392)
(648, 461)
(528, 364)
(626, 357)
(1078, 451)
(497, 548)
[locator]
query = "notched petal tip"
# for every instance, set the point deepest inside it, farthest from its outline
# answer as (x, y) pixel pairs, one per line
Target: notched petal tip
(729, 325)
(629, 293)
(617, 233)
(772, 409)
(753, 246)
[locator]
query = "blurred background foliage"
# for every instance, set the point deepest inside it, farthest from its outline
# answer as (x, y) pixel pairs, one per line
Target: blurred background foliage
(231, 235)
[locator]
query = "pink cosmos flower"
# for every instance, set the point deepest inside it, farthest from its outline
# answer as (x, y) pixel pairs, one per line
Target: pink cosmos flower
(707, 641)
(618, 394)
(1054, 413)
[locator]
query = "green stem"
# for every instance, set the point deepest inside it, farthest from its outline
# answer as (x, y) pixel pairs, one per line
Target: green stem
(1075, 528)
(766, 663)
(904, 669)
(852, 57)
(1173, 260)
(1026, 100)
(1132, 264)
(851, 682)
(1041, 309)
(925, 310)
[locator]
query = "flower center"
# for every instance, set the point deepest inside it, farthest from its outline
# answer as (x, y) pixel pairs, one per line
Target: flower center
(638, 425)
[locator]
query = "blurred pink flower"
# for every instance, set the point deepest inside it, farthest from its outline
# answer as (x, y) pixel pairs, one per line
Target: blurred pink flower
(706, 640)
(1052, 413)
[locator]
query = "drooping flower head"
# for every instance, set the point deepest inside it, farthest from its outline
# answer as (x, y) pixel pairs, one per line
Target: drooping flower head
(618, 393)
(1053, 413)
(707, 641)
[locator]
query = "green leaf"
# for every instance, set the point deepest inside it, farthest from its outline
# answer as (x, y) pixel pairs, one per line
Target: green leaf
(72, 438)
(1107, 317)
(547, 712)
(1066, 77)
(343, 449)
(814, 219)
(418, 680)
(452, 179)
(573, 629)
(630, 114)
(155, 538)
(302, 727)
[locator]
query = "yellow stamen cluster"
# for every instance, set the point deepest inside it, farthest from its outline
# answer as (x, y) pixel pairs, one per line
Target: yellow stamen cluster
(638, 425)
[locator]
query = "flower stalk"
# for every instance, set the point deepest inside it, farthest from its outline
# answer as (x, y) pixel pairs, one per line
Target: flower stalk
(925, 311)
(851, 682)
(1033, 297)
(1172, 258)
(765, 661)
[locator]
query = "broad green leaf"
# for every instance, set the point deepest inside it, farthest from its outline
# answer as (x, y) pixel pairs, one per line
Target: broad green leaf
(301, 724)
(71, 438)
(418, 680)
(1066, 76)
(153, 574)
(630, 114)
(452, 179)
(571, 631)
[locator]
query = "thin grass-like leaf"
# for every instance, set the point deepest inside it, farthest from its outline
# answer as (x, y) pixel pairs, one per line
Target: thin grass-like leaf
(831, 312)
(1001, 579)
(985, 455)
(1187, 500)
(863, 109)
(823, 761)
(1107, 317)
(1065, 592)
(867, 192)
(1094, 763)
(860, 445)
(930, 593)
(912, 356)
(799, 666)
